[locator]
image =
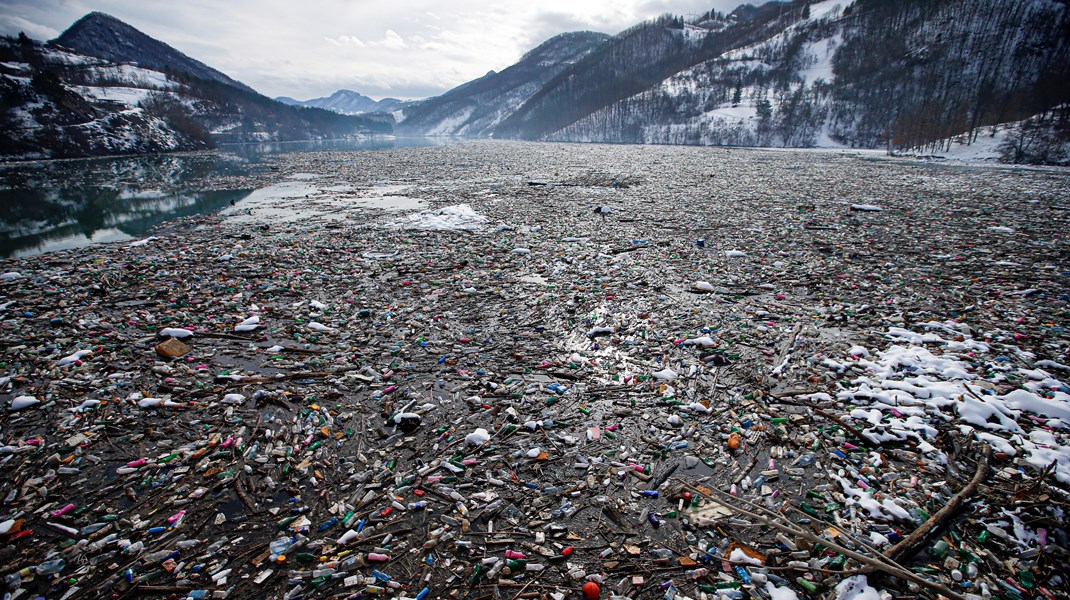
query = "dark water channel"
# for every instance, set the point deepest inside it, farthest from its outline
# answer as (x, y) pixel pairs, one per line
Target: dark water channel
(54, 205)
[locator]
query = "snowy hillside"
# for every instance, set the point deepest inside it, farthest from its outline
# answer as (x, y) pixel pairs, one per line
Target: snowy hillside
(478, 106)
(99, 110)
(901, 75)
(731, 99)
(104, 36)
(56, 102)
(863, 73)
(1036, 140)
(834, 73)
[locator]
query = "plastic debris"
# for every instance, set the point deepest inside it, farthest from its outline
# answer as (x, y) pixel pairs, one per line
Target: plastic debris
(494, 392)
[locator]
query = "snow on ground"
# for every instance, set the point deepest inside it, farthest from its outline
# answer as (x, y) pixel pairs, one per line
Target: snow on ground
(135, 76)
(822, 51)
(227, 127)
(15, 66)
(985, 148)
(449, 125)
(693, 33)
(130, 96)
(1018, 410)
(745, 110)
(824, 139)
(856, 588)
(51, 55)
(828, 8)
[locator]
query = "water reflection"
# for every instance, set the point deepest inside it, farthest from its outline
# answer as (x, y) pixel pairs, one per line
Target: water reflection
(34, 221)
(55, 205)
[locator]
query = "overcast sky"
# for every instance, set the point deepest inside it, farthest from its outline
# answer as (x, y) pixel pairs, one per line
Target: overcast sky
(310, 48)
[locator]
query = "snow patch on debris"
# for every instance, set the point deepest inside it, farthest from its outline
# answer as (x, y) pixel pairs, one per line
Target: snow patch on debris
(856, 588)
(1017, 410)
(459, 217)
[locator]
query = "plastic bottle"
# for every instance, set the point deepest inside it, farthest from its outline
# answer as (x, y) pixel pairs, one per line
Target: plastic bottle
(939, 549)
(280, 546)
(50, 566)
(14, 580)
(661, 554)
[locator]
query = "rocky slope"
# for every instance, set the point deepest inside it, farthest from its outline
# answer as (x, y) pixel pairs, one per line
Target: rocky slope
(478, 106)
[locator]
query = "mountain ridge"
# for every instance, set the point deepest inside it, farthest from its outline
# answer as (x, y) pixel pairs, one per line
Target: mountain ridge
(895, 74)
(58, 102)
(348, 102)
(887, 74)
(102, 35)
(475, 107)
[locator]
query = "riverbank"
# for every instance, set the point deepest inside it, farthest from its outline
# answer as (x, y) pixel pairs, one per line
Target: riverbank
(491, 368)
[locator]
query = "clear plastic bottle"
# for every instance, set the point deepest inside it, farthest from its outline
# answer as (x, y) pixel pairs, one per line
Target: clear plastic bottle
(280, 546)
(14, 580)
(50, 566)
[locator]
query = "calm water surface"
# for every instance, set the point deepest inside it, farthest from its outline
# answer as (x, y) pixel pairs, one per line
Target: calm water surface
(54, 205)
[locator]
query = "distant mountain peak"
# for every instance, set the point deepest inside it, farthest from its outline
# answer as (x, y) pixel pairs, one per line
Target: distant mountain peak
(348, 102)
(344, 93)
(102, 35)
(95, 16)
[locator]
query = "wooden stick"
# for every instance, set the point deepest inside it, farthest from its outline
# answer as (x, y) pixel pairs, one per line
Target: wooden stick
(1020, 494)
(856, 433)
(249, 504)
(167, 589)
(521, 592)
(881, 564)
(908, 546)
(271, 378)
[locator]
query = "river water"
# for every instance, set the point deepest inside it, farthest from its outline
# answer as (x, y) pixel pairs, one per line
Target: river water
(55, 205)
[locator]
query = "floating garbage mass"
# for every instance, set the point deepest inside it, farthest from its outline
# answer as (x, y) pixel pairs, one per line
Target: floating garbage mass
(748, 374)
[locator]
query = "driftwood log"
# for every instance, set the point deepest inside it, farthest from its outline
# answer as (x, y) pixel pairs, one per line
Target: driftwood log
(910, 545)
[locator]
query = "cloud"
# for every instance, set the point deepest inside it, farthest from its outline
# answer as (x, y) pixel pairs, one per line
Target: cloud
(402, 48)
(547, 24)
(686, 7)
(12, 25)
(390, 40)
(346, 40)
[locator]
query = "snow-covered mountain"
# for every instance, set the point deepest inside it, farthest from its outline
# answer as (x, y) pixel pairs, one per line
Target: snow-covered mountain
(348, 102)
(908, 75)
(866, 74)
(476, 107)
(58, 102)
(856, 73)
(104, 36)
